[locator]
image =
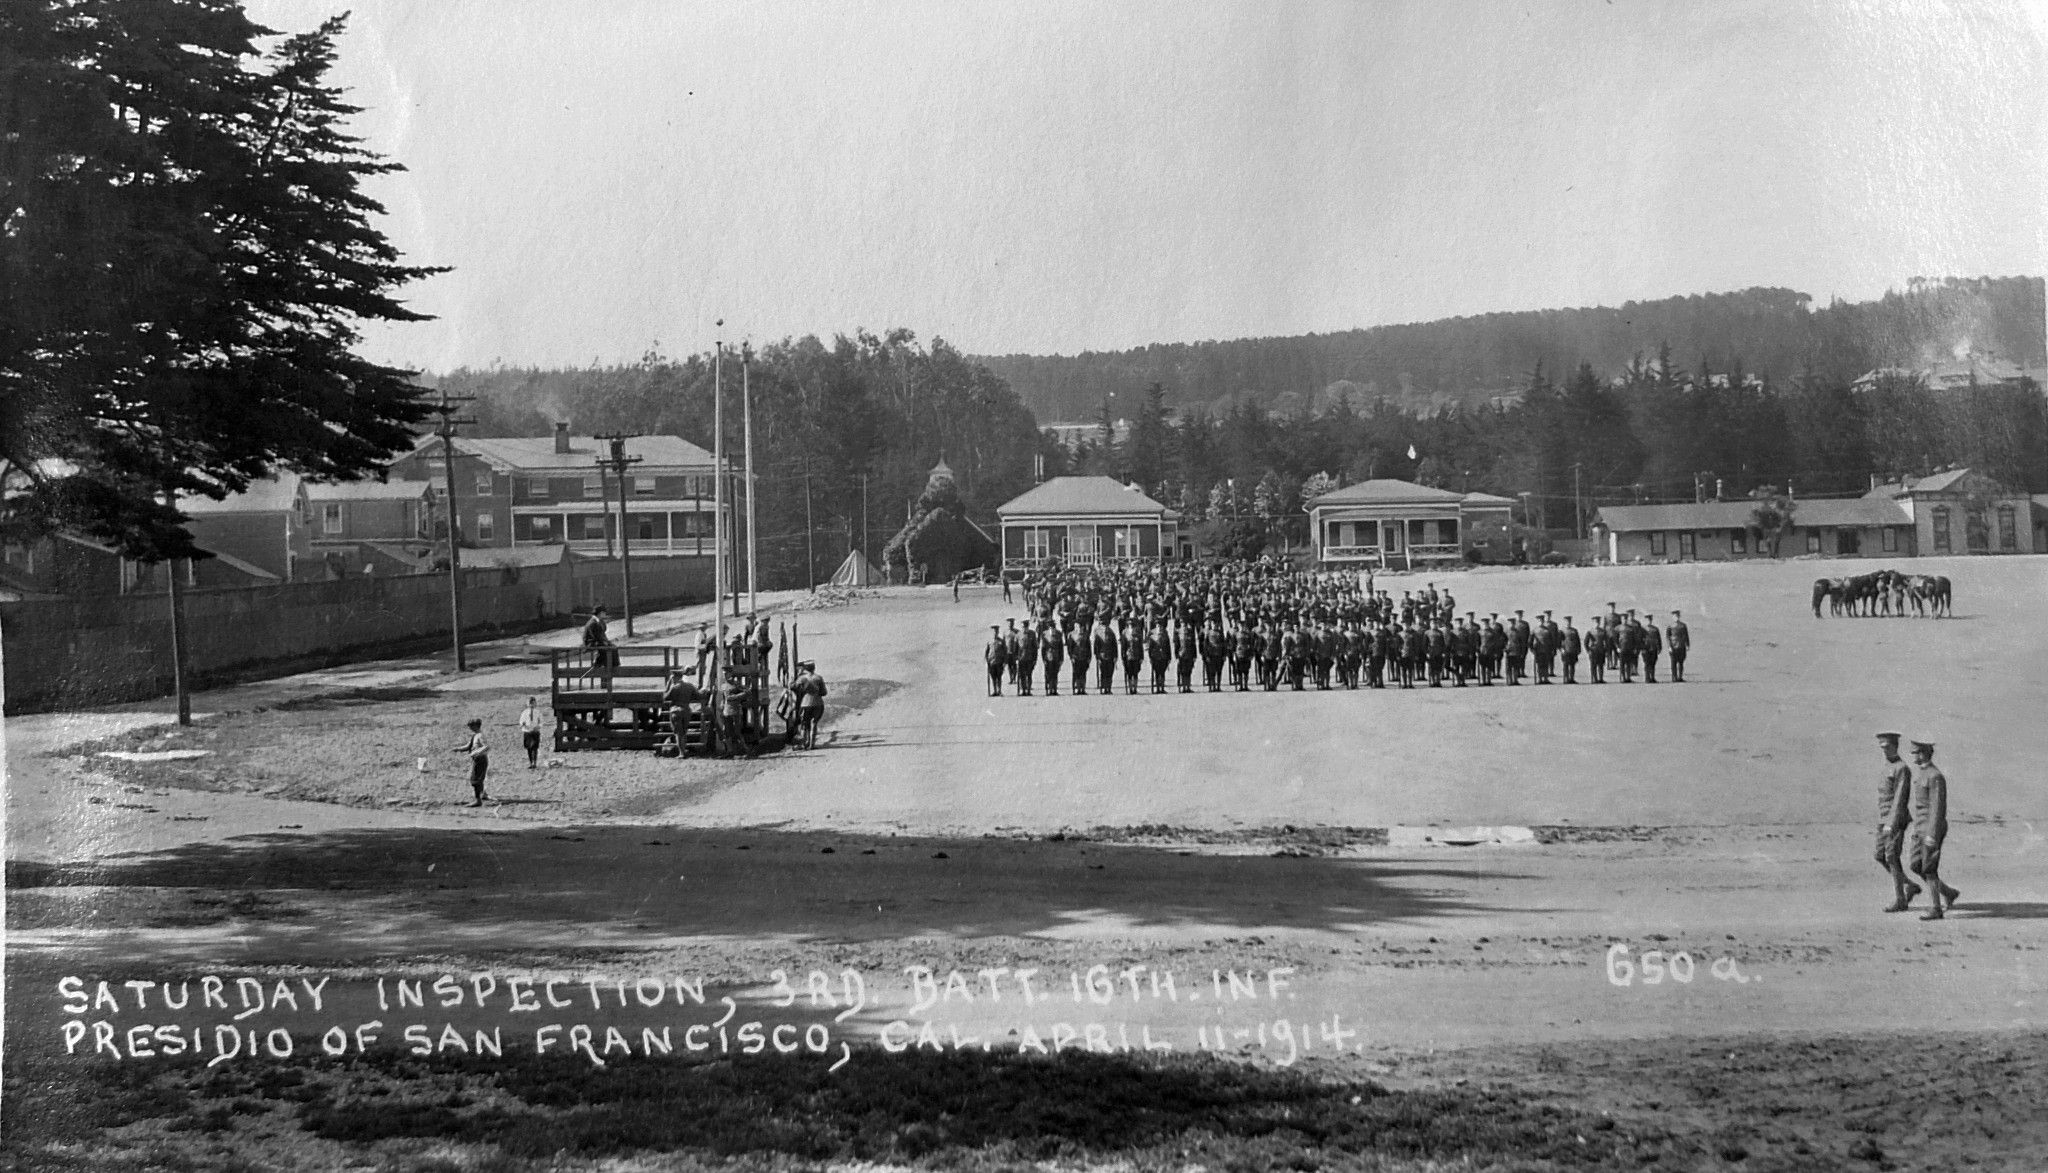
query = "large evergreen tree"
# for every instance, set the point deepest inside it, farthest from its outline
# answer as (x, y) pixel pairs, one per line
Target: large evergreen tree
(186, 255)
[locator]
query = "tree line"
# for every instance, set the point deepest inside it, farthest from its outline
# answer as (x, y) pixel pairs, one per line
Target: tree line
(1777, 333)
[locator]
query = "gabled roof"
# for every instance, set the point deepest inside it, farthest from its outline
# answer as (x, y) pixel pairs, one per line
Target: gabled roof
(1947, 480)
(509, 453)
(249, 568)
(1854, 511)
(369, 491)
(1388, 492)
(278, 494)
(1487, 499)
(1081, 495)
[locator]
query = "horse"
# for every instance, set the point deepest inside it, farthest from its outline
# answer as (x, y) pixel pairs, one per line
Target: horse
(1944, 603)
(1823, 590)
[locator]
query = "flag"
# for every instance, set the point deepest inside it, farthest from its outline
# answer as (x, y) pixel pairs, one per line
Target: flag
(1411, 451)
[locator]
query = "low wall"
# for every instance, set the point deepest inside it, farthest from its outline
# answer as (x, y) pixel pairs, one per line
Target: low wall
(75, 652)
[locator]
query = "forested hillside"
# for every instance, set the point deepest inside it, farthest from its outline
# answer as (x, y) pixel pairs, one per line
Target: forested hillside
(1774, 333)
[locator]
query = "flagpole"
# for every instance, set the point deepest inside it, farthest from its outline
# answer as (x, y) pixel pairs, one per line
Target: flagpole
(717, 680)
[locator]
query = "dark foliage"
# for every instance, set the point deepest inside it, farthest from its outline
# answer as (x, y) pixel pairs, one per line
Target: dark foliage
(186, 255)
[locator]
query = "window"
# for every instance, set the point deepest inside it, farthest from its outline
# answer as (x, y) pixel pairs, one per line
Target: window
(1940, 524)
(330, 517)
(537, 487)
(1890, 541)
(18, 554)
(1656, 543)
(1126, 542)
(2008, 528)
(1812, 541)
(1976, 530)
(486, 527)
(1738, 541)
(643, 486)
(593, 487)
(483, 482)
(1037, 543)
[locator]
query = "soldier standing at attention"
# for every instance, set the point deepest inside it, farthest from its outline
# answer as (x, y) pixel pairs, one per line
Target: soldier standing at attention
(1211, 646)
(1679, 641)
(1105, 654)
(1653, 643)
(1596, 652)
(1052, 649)
(1544, 645)
(1894, 788)
(1269, 655)
(1027, 658)
(1132, 641)
(1184, 655)
(1631, 642)
(1570, 645)
(1159, 650)
(1518, 648)
(1929, 810)
(1077, 654)
(1243, 650)
(997, 657)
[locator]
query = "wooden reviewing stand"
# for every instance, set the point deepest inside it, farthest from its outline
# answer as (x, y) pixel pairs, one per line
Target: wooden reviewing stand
(587, 698)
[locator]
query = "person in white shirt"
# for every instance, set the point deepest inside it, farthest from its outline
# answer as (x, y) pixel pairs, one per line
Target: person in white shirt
(479, 758)
(529, 732)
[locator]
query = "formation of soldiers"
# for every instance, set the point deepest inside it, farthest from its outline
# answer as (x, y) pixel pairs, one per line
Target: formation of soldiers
(1248, 625)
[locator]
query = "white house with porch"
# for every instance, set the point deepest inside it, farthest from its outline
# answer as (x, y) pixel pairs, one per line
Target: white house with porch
(1085, 521)
(1389, 523)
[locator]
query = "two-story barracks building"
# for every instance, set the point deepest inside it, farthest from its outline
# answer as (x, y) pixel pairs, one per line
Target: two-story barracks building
(518, 491)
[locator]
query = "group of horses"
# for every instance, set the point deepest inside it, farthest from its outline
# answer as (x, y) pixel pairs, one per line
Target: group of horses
(1884, 592)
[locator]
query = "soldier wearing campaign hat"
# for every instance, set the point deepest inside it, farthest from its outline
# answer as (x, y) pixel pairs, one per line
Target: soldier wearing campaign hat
(1678, 641)
(1894, 785)
(997, 657)
(1928, 809)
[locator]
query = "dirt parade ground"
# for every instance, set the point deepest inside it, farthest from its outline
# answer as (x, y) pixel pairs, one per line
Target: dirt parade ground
(1565, 927)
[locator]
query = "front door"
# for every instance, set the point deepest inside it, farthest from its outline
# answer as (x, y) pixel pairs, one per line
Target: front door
(1686, 544)
(1847, 542)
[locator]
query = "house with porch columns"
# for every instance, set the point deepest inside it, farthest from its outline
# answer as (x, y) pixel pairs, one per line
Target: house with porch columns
(1085, 521)
(1399, 524)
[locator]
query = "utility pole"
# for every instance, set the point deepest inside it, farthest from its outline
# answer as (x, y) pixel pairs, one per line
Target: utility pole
(177, 585)
(717, 680)
(446, 430)
(863, 516)
(747, 424)
(1578, 504)
(733, 535)
(618, 464)
(810, 549)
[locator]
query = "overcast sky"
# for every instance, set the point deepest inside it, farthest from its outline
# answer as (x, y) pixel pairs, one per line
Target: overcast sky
(1049, 178)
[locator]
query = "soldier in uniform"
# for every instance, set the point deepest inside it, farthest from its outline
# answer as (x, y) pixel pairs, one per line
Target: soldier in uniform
(1570, 645)
(1679, 641)
(1185, 652)
(1929, 811)
(1894, 788)
(1052, 649)
(1016, 648)
(1436, 646)
(1543, 644)
(1518, 648)
(1077, 655)
(1212, 647)
(1351, 655)
(1414, 653)
(1631, 643)
(1652, 643)
(1240, 642)
(1596, 651)
(1132, 641)
(1027, 658)
(1159, 650)
(1105, 653)
(997, 657)
(1270, 651)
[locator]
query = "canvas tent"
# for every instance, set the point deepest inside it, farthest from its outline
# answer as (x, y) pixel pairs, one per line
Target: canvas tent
(856, 571)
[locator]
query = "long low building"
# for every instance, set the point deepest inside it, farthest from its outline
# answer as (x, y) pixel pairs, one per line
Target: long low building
(1955, 511)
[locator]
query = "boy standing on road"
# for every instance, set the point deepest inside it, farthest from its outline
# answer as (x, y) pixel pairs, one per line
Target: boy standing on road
(529, 733)
(479, 758)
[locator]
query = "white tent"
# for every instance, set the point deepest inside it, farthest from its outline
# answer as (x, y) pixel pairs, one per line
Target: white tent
(856, 571)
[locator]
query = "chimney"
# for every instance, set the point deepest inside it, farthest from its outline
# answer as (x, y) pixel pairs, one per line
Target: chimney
(1873, 482)
(562, 438)
(1717, 489)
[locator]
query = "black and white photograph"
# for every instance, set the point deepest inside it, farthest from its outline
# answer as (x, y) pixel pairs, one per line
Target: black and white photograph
(1389, 585)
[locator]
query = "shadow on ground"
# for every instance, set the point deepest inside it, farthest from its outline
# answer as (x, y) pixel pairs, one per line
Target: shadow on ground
(378, 892)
